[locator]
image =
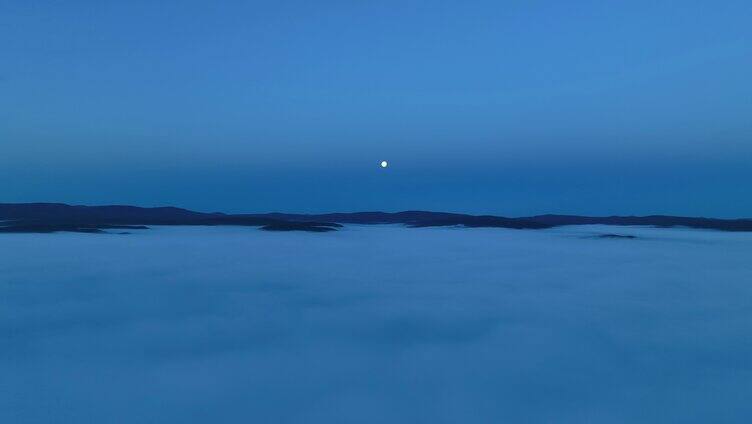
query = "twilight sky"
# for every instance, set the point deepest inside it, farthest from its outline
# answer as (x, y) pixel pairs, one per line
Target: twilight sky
(505, 107)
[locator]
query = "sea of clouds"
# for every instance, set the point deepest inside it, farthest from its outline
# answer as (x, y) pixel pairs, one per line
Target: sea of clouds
(376, 324)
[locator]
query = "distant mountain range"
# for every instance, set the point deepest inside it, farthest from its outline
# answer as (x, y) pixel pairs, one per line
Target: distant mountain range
(53, 217)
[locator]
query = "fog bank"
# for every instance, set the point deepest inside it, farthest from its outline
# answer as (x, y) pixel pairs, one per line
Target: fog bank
(376, 324)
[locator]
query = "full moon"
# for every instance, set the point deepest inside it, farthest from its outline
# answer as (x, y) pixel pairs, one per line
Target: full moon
(384, 164)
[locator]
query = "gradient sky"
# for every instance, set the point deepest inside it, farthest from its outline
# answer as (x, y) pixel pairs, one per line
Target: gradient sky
(505, 107)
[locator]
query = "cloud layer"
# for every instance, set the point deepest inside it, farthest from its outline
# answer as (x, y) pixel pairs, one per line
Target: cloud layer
(376, 324)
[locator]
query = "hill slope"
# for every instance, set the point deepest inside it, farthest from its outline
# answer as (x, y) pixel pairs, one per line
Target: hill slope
(51, 217)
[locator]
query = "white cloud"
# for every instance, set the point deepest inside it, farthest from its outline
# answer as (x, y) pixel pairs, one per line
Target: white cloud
(376, 324)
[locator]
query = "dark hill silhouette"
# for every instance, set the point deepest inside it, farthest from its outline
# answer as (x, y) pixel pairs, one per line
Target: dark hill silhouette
(51, 217)
(651, 220)
(433, 219)
(417, 219)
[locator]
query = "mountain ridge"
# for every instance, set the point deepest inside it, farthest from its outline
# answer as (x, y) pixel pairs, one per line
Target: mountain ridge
(53, 217)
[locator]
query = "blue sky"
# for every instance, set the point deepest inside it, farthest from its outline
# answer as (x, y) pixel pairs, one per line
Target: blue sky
(513, 108)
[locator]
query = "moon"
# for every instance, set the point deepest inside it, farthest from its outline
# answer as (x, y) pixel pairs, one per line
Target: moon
(384, 164)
